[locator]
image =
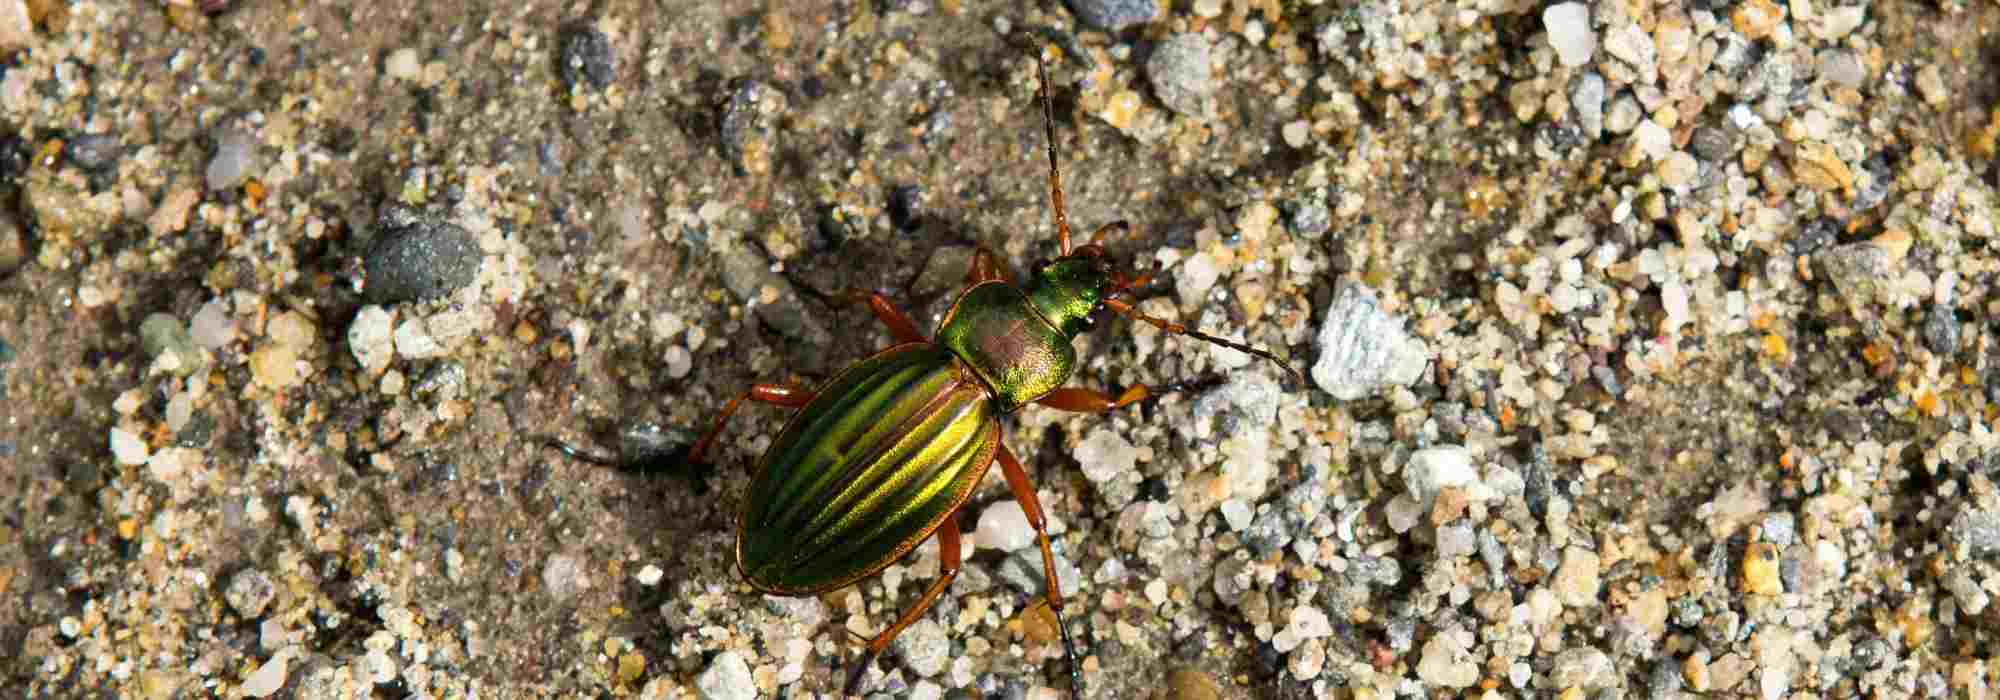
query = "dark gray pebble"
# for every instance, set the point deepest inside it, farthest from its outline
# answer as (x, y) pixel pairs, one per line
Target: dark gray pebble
(415, 257)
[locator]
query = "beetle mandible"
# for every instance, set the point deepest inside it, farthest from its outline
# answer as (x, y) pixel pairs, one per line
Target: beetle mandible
(882, 455)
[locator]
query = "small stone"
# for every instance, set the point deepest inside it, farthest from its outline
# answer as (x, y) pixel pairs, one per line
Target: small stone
(404, 64)
(1857, 269)
(1761, 570)
(747, 275)
(415, 257)
(565, 576)
(17, 27)
(1297, 133)
(1713, 144)
(1756, 19)
(1652, 139)
(1632, 45)
(1842, 67)
(1678, 169)
(1114, 15)
(946, 269)
(750, 123)
(212, 327)
(1179, 71)
(128, 448)
(649, 575)
(13, 241)
(250, 591)
(585, 57)
(1363, 350)
(1576, 581)
(1568, 25)
(168, 342)
(96, 153)
(1835, 23)
(268, 678)
(1104, 454)
(1004, 526)
(275, 366)
(1192, 684)
(924, 647)
(1310, 218)
(1446, 662)
(235, 150)
(1583, 667)
(727, 678)
(1586, 97)
(1972, 532)
(1433, 469)
(1623, 114)
(1941, 331)
(372, 338)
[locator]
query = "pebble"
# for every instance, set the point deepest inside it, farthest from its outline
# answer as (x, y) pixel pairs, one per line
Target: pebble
(1180, 73)
(1114, 15)
(1632, 45)
(127, 447)
(1974, 532)
(1004, 526)
(727, 678)
(96, 153)
(212, 326)
(1434, 469)
(235, 150)
(249, 592)
(749, 277)
(1446, 662)
(585, 57)
(1576, 582)
(1652, 139)
(1842, 67)
(17, 28)
(166, 340)
(649, 575)
(1586, 96)
(1568, 25)
(1310, 218)
(924, 647)
(415, 257)
(1104, 454)
(1583, 667)
(372, 338)
(1857, 269)
(1622, 115)
(403, 64)
(1761, 570)
(13, 241)
(565, 576)
(1678, 169)
(1363, 350)
(268, 678)
(750, 126)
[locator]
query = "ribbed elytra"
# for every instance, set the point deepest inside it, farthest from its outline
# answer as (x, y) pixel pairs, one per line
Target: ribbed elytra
(885, 453)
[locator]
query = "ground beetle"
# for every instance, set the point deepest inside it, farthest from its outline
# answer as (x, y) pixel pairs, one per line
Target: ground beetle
(882, 455)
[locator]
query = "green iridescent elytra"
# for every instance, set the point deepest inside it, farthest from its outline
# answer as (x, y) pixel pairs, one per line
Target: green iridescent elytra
(890, 447)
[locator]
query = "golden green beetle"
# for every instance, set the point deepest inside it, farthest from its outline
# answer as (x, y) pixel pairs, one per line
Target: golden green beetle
(882, 455)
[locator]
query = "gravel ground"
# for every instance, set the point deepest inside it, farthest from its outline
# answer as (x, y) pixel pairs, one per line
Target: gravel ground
(1646, 343)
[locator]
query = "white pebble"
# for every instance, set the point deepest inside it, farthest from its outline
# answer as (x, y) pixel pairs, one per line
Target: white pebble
(212, 327)
(127, 447)
(1436, 468)
(403, 64)
(1104, 454)
(268, 678)
(650, 575)
(1004, 526)
(372, 337)
(1569, 32)
(679, 361)
(1236, 512)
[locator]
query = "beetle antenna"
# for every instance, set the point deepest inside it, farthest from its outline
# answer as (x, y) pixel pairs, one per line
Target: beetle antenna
(1055, 173)
(1126, 310)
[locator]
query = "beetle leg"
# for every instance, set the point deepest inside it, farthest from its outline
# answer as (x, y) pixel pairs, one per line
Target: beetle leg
(1024, 493)
(1080, 400)
(1055, 173)
(986, 267)
(948, 559)
(777, 394)
(900, 325)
